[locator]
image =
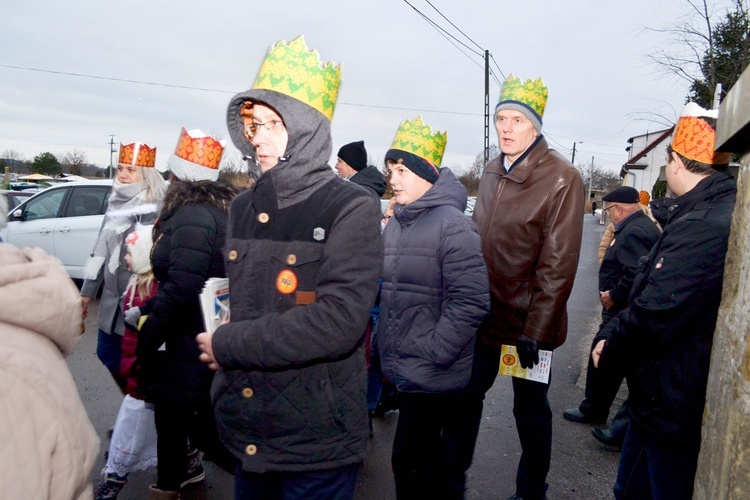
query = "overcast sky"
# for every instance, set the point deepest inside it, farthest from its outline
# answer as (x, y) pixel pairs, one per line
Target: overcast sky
(591, 54)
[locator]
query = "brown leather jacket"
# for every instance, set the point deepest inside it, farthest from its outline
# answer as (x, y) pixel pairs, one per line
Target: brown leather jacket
(530, 221)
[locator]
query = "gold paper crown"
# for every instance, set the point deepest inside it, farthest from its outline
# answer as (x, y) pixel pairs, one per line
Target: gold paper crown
(695, 139)
(532, 94)
(416, 137)
(137, 154)
(204, 151)
(291, 69)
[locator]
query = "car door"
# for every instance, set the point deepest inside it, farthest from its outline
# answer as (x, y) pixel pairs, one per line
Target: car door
(76, 231)
(36, 226)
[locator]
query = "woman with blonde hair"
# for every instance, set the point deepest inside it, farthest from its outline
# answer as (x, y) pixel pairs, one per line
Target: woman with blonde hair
(136, 198)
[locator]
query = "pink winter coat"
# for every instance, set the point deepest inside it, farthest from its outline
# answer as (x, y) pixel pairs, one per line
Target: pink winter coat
(48, 445)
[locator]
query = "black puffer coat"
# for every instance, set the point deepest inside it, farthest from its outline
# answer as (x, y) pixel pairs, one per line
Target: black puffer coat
(303, 258)
(188, 241)
(662, 341)
(435, 291)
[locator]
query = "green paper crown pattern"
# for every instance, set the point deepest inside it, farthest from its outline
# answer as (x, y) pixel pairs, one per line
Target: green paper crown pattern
(294, 70)
(531, 93)
(416, 137)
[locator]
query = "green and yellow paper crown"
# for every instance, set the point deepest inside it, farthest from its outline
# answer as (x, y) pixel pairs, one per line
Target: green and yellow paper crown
(416, 137)
(294, 70)
(532, 94)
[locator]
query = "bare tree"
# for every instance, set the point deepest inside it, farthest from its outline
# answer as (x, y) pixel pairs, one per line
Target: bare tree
(15, 160)
(470, 178)
(74, 161)
(602, 179)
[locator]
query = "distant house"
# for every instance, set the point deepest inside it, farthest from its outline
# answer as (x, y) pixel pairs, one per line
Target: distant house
(647, 159)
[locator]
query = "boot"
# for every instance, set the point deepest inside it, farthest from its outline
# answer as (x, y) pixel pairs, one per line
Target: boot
(155, 493)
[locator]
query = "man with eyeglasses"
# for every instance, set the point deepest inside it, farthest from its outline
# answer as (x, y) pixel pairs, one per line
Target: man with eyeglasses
(303, 255)
(662, 340)
(635, 234)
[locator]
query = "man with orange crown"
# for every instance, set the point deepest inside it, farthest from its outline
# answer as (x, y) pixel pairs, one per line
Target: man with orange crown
(303, 256)
(662, 341)
(529, 212)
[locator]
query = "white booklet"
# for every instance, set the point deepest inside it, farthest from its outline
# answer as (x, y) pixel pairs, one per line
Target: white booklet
(215, 303)
(511, 365)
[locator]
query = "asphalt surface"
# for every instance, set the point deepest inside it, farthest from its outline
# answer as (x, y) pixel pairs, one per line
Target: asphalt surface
(582, 468)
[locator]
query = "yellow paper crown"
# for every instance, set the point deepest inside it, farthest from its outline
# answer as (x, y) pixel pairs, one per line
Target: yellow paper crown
(416, 137)
(137, 154)
(532, 94)
(291, 69)
(205, 151)
(695, 139)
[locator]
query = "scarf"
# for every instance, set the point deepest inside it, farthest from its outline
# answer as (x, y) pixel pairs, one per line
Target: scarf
(125, 208)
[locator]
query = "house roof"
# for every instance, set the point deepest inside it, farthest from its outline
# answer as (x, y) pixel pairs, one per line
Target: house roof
(632, 163)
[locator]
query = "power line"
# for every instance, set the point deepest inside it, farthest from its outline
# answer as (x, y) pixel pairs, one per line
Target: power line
(203, 89)
(457, 28)
(441, 30)
(498, 67)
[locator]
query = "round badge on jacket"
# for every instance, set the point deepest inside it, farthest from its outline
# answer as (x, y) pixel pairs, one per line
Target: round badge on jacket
(286, 282)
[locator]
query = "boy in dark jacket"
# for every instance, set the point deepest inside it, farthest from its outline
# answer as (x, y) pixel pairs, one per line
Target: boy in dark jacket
(435, 295)
(303, 256)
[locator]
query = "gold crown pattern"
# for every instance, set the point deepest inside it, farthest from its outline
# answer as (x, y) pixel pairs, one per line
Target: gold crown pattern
(204, 151)
(291, 69)
(531, 93)
(137, 154)
(695, 139)
(416, 137)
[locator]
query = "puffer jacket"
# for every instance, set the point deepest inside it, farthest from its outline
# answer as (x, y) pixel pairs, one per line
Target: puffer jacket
(188, 243)
(303, 257)
(662, 340)
(48, 443)
(531, 221)
(435, 291)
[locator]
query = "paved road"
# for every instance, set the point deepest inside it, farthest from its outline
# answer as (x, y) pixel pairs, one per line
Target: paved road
(581, 467)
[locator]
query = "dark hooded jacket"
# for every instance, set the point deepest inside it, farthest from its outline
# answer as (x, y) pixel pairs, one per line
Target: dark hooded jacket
(370, 178)
(662, 340)
(188, 241)
(435, 291)
(303, 257)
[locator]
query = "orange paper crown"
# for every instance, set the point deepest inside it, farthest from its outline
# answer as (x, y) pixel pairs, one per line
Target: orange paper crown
(695, 139)
(137, 154)
(204, 151)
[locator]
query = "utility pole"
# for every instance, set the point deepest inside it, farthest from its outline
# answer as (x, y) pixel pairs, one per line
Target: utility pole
(111, 151)
(573, 157)
(486, 106)
(591, 175)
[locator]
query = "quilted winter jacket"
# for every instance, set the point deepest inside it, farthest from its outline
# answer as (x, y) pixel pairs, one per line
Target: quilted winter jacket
(303, 257)
(435, 291)
(531, 221)
(48, 443)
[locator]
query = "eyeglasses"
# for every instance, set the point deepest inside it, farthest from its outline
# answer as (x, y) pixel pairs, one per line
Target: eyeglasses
(273, 127)
(606, 210)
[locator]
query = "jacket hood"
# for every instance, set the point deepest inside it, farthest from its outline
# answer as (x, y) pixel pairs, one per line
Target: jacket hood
(36, 294)
(715, 185)
(371, 178)
(448, 190)
(305, 167)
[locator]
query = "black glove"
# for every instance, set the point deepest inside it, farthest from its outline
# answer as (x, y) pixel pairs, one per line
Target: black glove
(528, 351)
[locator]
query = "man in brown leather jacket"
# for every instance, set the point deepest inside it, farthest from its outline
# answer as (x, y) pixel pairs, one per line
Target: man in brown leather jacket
(529, 212)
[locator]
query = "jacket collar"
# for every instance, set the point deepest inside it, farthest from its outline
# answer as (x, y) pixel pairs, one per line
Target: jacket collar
(524, 165)
(716, 185)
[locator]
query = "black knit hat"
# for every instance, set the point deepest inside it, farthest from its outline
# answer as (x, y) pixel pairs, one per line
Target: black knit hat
(623, 194)
(416, 164)
(354, 154)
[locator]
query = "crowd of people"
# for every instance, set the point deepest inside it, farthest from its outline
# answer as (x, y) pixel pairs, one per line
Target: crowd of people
(333, 305)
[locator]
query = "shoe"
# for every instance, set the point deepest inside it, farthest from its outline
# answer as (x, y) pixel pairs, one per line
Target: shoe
(195, 472)
(155, 493)
(384, 406)
(575, 415)
(606, 436)
(109, 487)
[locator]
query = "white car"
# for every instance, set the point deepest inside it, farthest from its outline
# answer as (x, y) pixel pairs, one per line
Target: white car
(63, 220)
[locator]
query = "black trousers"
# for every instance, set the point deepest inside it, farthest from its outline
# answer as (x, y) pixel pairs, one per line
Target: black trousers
(434, 444)
(533, 417)
(601, 388)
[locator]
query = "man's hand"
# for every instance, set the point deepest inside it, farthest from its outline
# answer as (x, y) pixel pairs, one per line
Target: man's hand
(207, 351)
(596, 354)
(606, 299)
(528, 351)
